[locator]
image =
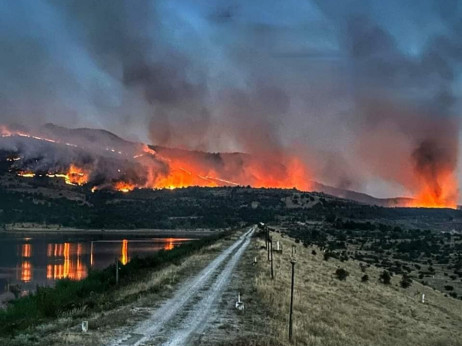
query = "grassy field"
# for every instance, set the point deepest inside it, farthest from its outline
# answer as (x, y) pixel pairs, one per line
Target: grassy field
(328, 311)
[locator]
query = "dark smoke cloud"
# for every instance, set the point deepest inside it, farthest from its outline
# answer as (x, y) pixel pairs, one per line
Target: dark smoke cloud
(323, 79)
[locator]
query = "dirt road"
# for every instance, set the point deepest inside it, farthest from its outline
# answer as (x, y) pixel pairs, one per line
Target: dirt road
(183, 317)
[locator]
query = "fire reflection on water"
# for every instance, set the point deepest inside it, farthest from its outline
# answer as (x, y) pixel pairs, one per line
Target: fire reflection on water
(72, 261)
(169, 244)
(26, 271)
(71, 266)
(26, 267)
(124, 252)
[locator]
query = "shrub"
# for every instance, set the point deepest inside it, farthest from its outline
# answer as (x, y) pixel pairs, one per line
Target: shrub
(365, 278)
(313, 253)
(341, 274)
(385, 277)
(405, 281)
(449, 288)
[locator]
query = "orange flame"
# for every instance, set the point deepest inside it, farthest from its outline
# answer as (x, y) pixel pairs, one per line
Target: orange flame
(26, 174)
(77, 175)
(123, 186)
(441, 193)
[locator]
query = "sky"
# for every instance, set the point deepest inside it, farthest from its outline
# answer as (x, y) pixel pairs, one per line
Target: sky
(358, 89)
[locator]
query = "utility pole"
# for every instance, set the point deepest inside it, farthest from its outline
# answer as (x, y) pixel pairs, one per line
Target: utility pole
(117, 271)
(271, 245)
(292, 261)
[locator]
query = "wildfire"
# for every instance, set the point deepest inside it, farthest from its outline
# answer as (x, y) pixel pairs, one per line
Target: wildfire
(4, 131)
(429, 173)
(26, 174)
(76, 175)
(435, 173)
(439, 193)
(123, 186)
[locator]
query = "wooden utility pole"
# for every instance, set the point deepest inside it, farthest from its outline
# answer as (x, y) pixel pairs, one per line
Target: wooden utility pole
(271, 245)
(292, 261)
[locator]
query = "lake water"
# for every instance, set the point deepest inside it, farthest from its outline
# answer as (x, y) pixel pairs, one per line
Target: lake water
(42, 259)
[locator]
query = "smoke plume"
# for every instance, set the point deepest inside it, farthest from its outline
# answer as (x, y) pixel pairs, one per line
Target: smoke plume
(357, 94)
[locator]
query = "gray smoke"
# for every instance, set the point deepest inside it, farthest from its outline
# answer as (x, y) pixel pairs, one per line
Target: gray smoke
(263, 77)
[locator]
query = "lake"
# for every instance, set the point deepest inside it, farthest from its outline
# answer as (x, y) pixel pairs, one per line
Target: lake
(41, 259)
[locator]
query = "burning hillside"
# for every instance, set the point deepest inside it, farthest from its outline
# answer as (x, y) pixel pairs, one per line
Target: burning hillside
(100, 160)
(104, 161)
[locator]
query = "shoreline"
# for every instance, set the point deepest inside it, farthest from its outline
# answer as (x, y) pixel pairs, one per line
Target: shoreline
(80, 231)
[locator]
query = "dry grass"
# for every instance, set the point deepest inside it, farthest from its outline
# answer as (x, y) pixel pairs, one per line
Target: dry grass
(332, 312)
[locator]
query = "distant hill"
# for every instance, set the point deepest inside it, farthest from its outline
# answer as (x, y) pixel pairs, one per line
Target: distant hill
(361, 197)
(98, 145)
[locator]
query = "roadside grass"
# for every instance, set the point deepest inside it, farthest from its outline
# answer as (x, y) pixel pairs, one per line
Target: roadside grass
(98, 292)
(328, 311)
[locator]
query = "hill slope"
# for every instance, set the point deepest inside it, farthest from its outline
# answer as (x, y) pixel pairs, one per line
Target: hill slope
(332, 312)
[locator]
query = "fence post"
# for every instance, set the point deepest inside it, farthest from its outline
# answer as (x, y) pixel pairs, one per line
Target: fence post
(271, 245)
(292, 261)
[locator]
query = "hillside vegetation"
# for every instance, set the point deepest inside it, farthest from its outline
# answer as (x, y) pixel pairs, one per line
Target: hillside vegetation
(330, 311)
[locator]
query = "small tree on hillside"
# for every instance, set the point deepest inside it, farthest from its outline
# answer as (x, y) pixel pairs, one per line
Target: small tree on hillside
(405, 281)
(341, 274)
(365, 278)
(385, 277)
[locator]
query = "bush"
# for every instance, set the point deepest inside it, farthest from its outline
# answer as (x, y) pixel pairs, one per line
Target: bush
(405, 281)
(449, 288)
(385, 277)
(365, 278)
(341, 274)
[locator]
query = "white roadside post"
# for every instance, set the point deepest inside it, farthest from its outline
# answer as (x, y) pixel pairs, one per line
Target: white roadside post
(84, 326)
